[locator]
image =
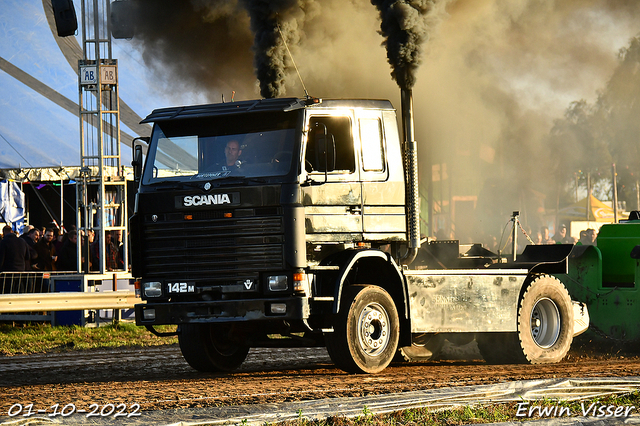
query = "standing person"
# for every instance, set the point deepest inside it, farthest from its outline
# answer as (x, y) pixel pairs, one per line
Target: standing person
(68, 257)
(14, 252)
(93, 261)
(111, 252)
(57, 239)
(537, 239)
(117, 241)
(546, 238)
(31, 237)
(560, 237)
(46, 252)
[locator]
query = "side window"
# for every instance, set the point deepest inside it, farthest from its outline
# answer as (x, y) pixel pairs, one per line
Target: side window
(330, 145)
(372, 144)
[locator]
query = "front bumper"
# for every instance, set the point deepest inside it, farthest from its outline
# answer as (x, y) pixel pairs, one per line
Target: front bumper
(297, 308)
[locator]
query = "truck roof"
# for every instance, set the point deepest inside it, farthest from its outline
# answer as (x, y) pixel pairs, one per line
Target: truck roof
(261, 105)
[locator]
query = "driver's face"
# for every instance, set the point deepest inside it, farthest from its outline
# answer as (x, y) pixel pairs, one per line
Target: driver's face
(232, 151)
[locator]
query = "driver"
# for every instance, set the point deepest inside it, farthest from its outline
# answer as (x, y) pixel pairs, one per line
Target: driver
(231, 153)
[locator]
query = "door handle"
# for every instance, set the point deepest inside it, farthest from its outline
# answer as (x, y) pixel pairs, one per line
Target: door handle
(354, 209)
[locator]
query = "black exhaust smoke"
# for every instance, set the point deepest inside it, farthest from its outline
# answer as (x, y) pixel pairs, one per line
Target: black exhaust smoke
(404, 26)
(271, 22)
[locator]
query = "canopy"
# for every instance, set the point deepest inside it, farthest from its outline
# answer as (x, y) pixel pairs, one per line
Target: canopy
(599, 212)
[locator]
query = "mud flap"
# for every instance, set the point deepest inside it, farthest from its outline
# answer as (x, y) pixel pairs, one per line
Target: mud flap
(580, 318)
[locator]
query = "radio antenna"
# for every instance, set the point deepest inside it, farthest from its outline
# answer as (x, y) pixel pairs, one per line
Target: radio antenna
(293, 61)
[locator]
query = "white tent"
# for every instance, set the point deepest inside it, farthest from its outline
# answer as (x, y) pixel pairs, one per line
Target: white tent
(39, 124)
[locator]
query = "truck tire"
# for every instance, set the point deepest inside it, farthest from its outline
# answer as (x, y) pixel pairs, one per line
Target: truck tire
(366, 330)
(545, 327)
(207, 348)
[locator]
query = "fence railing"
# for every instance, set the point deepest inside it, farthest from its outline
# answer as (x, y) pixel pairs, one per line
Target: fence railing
(25, 282)
(67, 301)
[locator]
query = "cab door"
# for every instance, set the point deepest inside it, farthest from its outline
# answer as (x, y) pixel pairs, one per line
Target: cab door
(381, 174)
(332, 193)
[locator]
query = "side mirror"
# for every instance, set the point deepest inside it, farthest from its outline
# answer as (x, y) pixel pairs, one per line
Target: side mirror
(137, 157)
(325, 150)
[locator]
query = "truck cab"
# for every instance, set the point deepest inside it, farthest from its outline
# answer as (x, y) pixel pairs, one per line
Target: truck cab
(241, 248)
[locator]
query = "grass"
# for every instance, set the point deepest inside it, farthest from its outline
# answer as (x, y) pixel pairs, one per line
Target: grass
(42, 338)
(492, 413)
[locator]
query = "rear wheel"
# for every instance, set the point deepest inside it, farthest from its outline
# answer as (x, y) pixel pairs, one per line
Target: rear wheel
(366, 330)
(208, 347)
(545, 327)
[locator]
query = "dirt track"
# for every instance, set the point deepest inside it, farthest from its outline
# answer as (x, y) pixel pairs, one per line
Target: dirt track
(158, 378)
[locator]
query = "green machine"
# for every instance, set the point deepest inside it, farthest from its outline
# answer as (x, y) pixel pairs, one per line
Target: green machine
(606, 278)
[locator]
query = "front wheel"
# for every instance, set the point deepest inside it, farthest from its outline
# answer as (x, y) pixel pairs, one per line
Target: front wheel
(366, 330)
(209, 347)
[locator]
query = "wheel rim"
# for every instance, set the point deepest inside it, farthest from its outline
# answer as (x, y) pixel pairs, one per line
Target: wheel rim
(373, 329)
(545, 323)
(221, 343)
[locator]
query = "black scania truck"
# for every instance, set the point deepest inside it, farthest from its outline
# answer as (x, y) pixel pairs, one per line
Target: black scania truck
(308, 235)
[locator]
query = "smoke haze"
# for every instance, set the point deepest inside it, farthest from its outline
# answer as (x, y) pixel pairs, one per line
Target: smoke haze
(496, 76)
(488, 85)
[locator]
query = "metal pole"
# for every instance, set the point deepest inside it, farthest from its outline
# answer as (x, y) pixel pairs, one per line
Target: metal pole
(61, 201)
(514, 236)
(615, 192)
(116, 312)
(589, 197)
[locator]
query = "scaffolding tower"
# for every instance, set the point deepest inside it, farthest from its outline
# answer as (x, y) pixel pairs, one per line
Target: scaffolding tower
(102, 189)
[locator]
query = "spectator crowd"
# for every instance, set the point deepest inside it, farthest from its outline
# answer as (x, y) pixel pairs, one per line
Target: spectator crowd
(47, 249)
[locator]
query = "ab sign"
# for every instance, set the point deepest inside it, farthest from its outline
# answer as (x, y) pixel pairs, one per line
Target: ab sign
(89, 74)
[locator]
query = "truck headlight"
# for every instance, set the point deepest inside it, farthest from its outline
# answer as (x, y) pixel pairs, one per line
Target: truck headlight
(278, 283)
(152, 289)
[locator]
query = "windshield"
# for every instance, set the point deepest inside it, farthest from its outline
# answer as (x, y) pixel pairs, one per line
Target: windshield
(250, 145)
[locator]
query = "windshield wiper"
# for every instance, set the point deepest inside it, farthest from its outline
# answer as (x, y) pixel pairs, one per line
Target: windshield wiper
(228, 180)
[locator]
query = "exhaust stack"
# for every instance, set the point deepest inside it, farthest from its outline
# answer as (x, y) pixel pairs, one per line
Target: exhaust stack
(412, 198)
